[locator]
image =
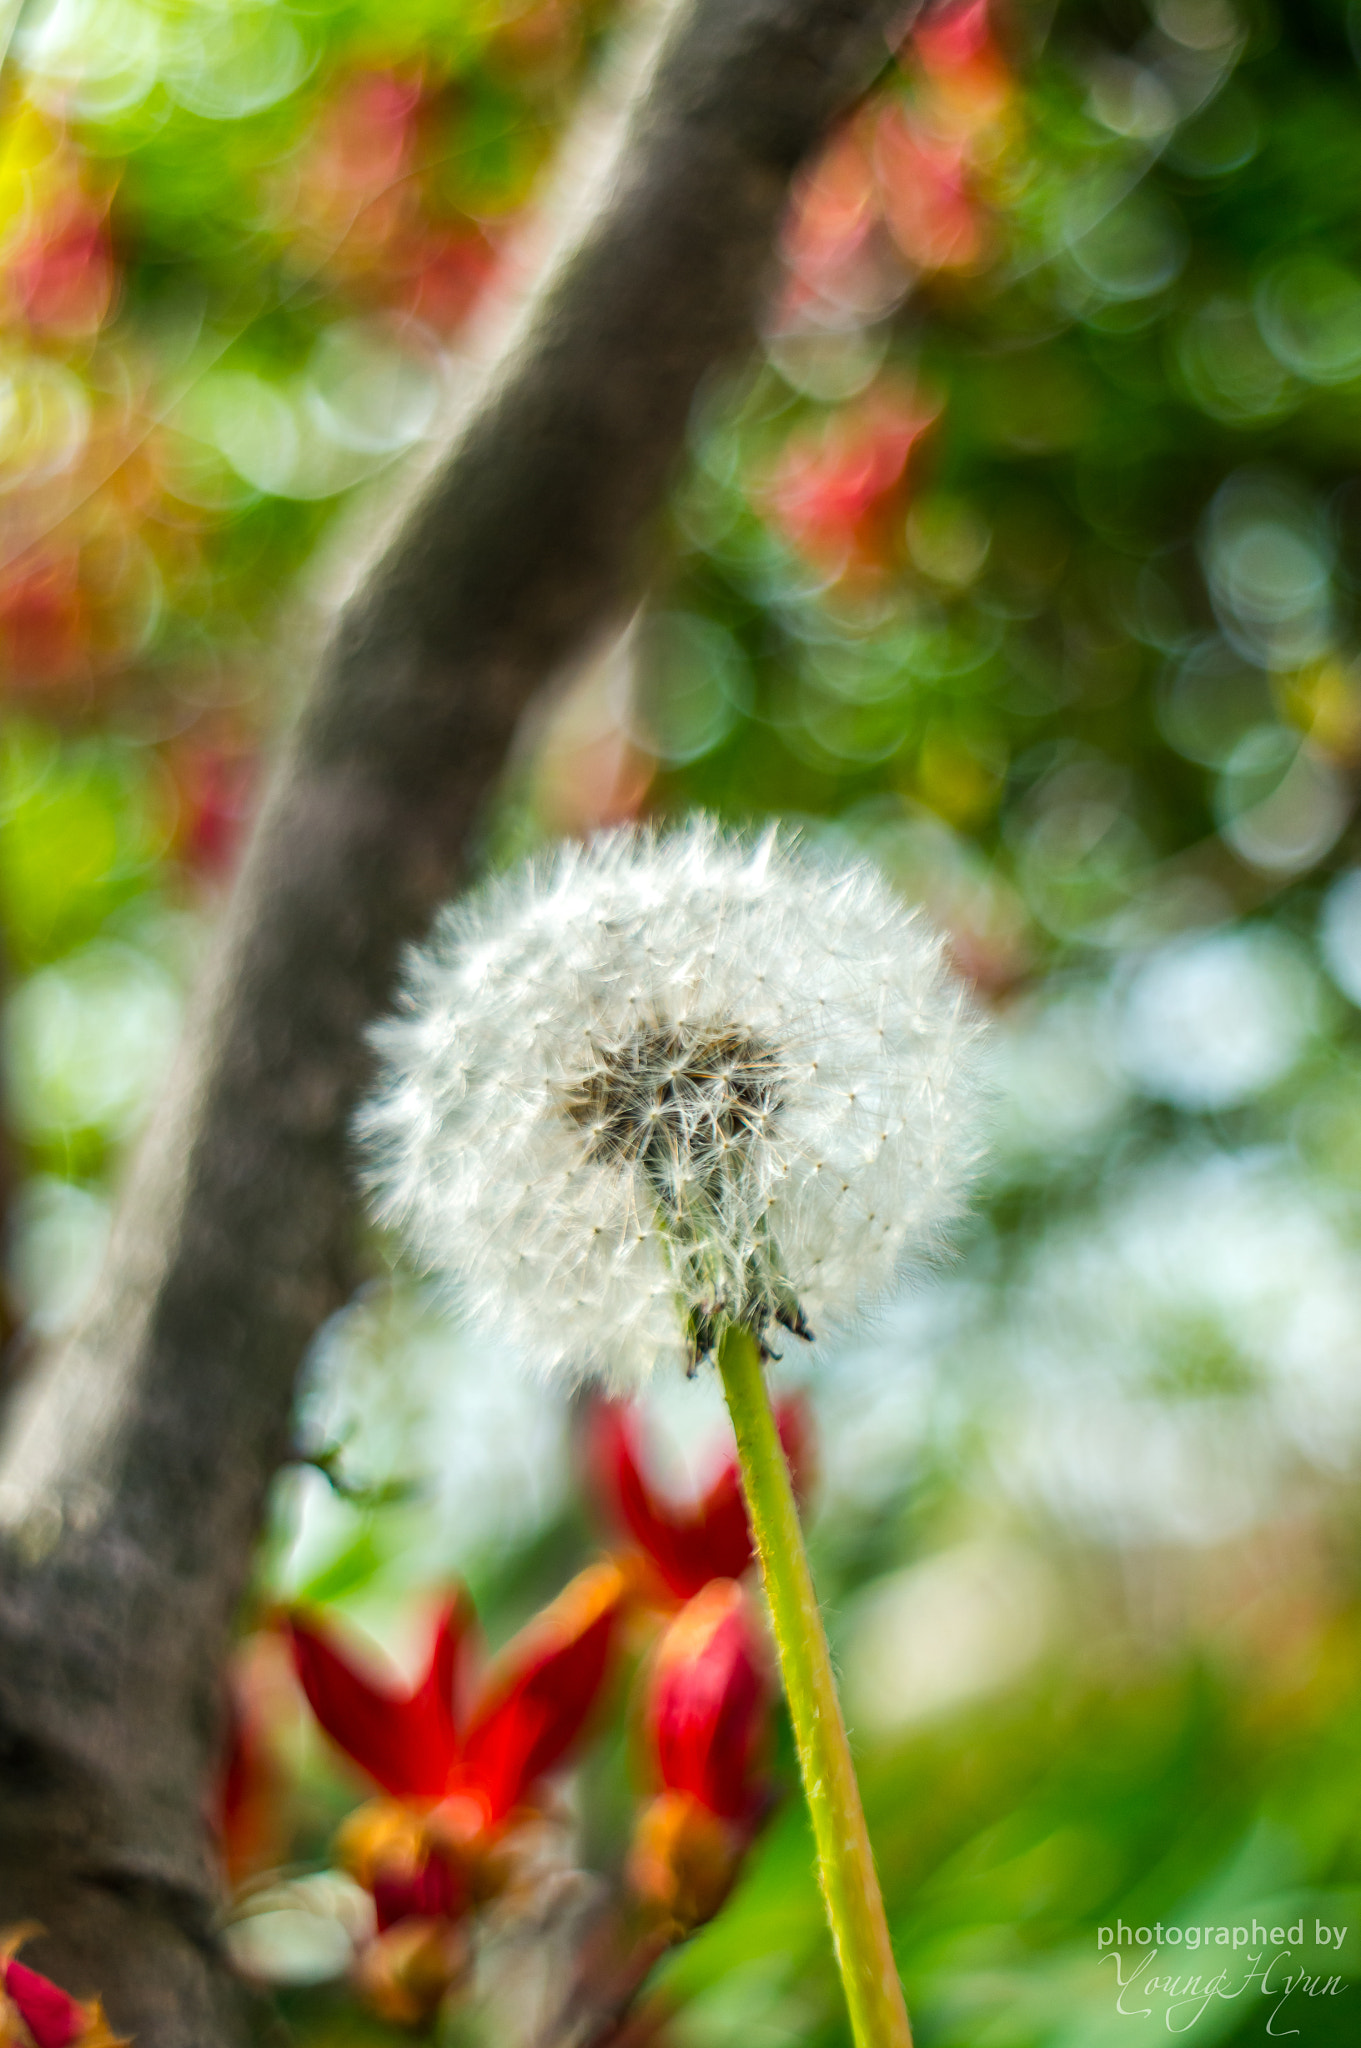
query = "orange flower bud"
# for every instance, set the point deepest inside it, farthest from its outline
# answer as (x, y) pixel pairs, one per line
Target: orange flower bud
(684, 1859)
(387, 1846)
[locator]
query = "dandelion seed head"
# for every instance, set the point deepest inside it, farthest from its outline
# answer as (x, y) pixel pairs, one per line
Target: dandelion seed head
(639, 1086)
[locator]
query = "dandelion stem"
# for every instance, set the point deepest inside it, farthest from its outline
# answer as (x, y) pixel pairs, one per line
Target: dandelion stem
(850, 1887)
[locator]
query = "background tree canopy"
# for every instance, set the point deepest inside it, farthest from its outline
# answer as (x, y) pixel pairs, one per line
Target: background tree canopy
(1025, 555)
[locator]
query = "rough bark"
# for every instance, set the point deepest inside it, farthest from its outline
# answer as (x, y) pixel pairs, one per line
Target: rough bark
(135, 1462)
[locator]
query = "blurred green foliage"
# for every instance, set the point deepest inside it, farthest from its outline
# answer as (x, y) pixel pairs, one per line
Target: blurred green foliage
(1024, 553)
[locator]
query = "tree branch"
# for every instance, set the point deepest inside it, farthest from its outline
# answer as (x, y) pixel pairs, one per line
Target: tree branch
(136, 1461)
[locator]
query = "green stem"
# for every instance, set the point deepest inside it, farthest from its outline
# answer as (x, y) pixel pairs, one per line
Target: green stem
(845, 1859)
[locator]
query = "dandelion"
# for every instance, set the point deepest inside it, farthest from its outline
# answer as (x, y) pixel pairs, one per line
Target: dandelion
(651, 1101)
(666, 1081)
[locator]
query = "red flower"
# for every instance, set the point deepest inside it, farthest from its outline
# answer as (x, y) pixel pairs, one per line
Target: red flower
(708, 1539)
(411, 1861)
(45, 634)
(36, 2013)
(457, 1776)
(441, 270)
(953, 36)
(706, 1722)
(832, 493)
(837, 263)
(253, 1805)
(216, 786)
(51, 2017)
(707, 1702)
(244, 1803)
(65, 276)
(924, 182)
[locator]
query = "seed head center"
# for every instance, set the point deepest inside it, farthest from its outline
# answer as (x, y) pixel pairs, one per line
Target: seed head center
(687, 1107)
(676, 1100)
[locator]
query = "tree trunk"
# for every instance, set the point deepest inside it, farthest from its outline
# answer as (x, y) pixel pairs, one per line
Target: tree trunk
(136, 1460)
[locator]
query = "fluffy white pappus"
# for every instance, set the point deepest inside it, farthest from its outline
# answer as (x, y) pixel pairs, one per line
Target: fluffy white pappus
(668, 1077)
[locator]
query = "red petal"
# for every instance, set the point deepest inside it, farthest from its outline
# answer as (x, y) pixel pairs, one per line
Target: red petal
(407, 1742)
(251, 1806)
(537, 1700)
(247, 1797)
(707, 1702)
(441, 1690)
(433, 1894)
(953, 35)
(53, 2019)
(720, 1547)
(687, 1546)
(724, 1549)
